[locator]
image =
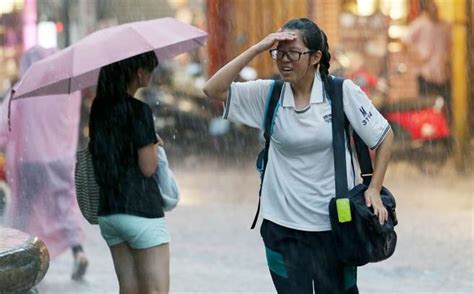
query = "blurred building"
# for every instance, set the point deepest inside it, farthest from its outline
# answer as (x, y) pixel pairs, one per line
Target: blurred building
(368, 29)
(25, 23)
(13, 16)
(366, 32)
(235, 25)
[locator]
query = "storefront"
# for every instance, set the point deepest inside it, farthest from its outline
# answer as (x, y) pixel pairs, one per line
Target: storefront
(373, 30)
(14, 18)
(371, 33)
(20, 29)
(365, 36)
(361, 33)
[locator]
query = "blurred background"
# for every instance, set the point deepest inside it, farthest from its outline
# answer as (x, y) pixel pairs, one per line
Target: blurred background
(365, 38)
(433, 156)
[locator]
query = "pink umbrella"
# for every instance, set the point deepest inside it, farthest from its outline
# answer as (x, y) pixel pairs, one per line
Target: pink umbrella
(77, 67)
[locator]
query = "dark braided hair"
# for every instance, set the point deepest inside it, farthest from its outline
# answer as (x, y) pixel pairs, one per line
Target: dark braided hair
(315, 39)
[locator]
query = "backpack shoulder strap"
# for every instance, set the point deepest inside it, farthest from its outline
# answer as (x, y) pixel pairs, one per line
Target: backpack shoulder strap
(271, 109)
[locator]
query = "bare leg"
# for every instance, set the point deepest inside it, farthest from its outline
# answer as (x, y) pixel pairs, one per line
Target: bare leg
(153, 269)
(125, 268)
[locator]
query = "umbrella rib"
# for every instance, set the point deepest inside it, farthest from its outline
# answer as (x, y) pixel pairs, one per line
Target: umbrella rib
(142, 37)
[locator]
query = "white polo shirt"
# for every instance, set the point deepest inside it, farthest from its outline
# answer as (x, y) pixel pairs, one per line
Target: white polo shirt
(299, 178)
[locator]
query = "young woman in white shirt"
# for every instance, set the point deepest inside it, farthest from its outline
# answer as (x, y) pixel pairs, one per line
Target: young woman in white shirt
(299, 178)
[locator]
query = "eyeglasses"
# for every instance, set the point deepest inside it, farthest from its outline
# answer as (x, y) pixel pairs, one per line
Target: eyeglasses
(278, 54)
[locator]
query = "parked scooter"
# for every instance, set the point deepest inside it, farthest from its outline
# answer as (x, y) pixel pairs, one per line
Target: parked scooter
(420, 126)
(421, 131)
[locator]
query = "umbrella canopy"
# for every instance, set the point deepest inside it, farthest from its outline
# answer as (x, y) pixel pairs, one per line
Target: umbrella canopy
(77, 67)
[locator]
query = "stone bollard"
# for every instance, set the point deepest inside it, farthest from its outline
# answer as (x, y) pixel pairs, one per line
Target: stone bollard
(24, 261)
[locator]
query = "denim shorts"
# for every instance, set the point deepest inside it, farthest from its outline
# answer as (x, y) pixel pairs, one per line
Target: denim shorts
(138, 232)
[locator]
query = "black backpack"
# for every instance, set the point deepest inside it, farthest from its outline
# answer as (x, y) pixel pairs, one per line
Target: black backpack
(362, 239)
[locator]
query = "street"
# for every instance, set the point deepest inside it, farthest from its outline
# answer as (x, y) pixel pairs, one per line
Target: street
(214, 251)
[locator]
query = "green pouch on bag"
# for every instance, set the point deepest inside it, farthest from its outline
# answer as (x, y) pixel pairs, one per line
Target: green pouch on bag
(343, 210)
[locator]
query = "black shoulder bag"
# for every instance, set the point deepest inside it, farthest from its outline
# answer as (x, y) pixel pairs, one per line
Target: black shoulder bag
(358, 235)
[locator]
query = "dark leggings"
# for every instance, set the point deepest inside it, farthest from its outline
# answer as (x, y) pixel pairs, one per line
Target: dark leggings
(305, 262)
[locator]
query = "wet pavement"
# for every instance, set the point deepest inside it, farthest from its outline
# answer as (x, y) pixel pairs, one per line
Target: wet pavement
(213, 250)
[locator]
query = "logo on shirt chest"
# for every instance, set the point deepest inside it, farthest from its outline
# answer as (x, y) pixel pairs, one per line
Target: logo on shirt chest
(327, 118)
(367, 116)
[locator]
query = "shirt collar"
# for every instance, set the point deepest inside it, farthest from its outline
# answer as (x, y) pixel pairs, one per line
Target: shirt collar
(317, 95)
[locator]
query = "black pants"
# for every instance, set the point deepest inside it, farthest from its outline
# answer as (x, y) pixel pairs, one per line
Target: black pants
(305, 262)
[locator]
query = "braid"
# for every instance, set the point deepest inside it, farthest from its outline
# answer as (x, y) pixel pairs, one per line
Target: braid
(324, 62)
(325, 58)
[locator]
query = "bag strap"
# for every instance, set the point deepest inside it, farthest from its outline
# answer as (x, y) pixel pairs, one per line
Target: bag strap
(338, 123)
(269, 120)
(365, 162)
(271, 110)
(338, 140)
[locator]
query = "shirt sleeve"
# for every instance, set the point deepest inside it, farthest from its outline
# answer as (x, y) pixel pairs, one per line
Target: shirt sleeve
(143, 128)
(364, 118)
(246, 102)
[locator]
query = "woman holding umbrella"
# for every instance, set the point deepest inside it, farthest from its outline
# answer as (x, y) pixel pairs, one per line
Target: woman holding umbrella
(122, 135)
(123, 148)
